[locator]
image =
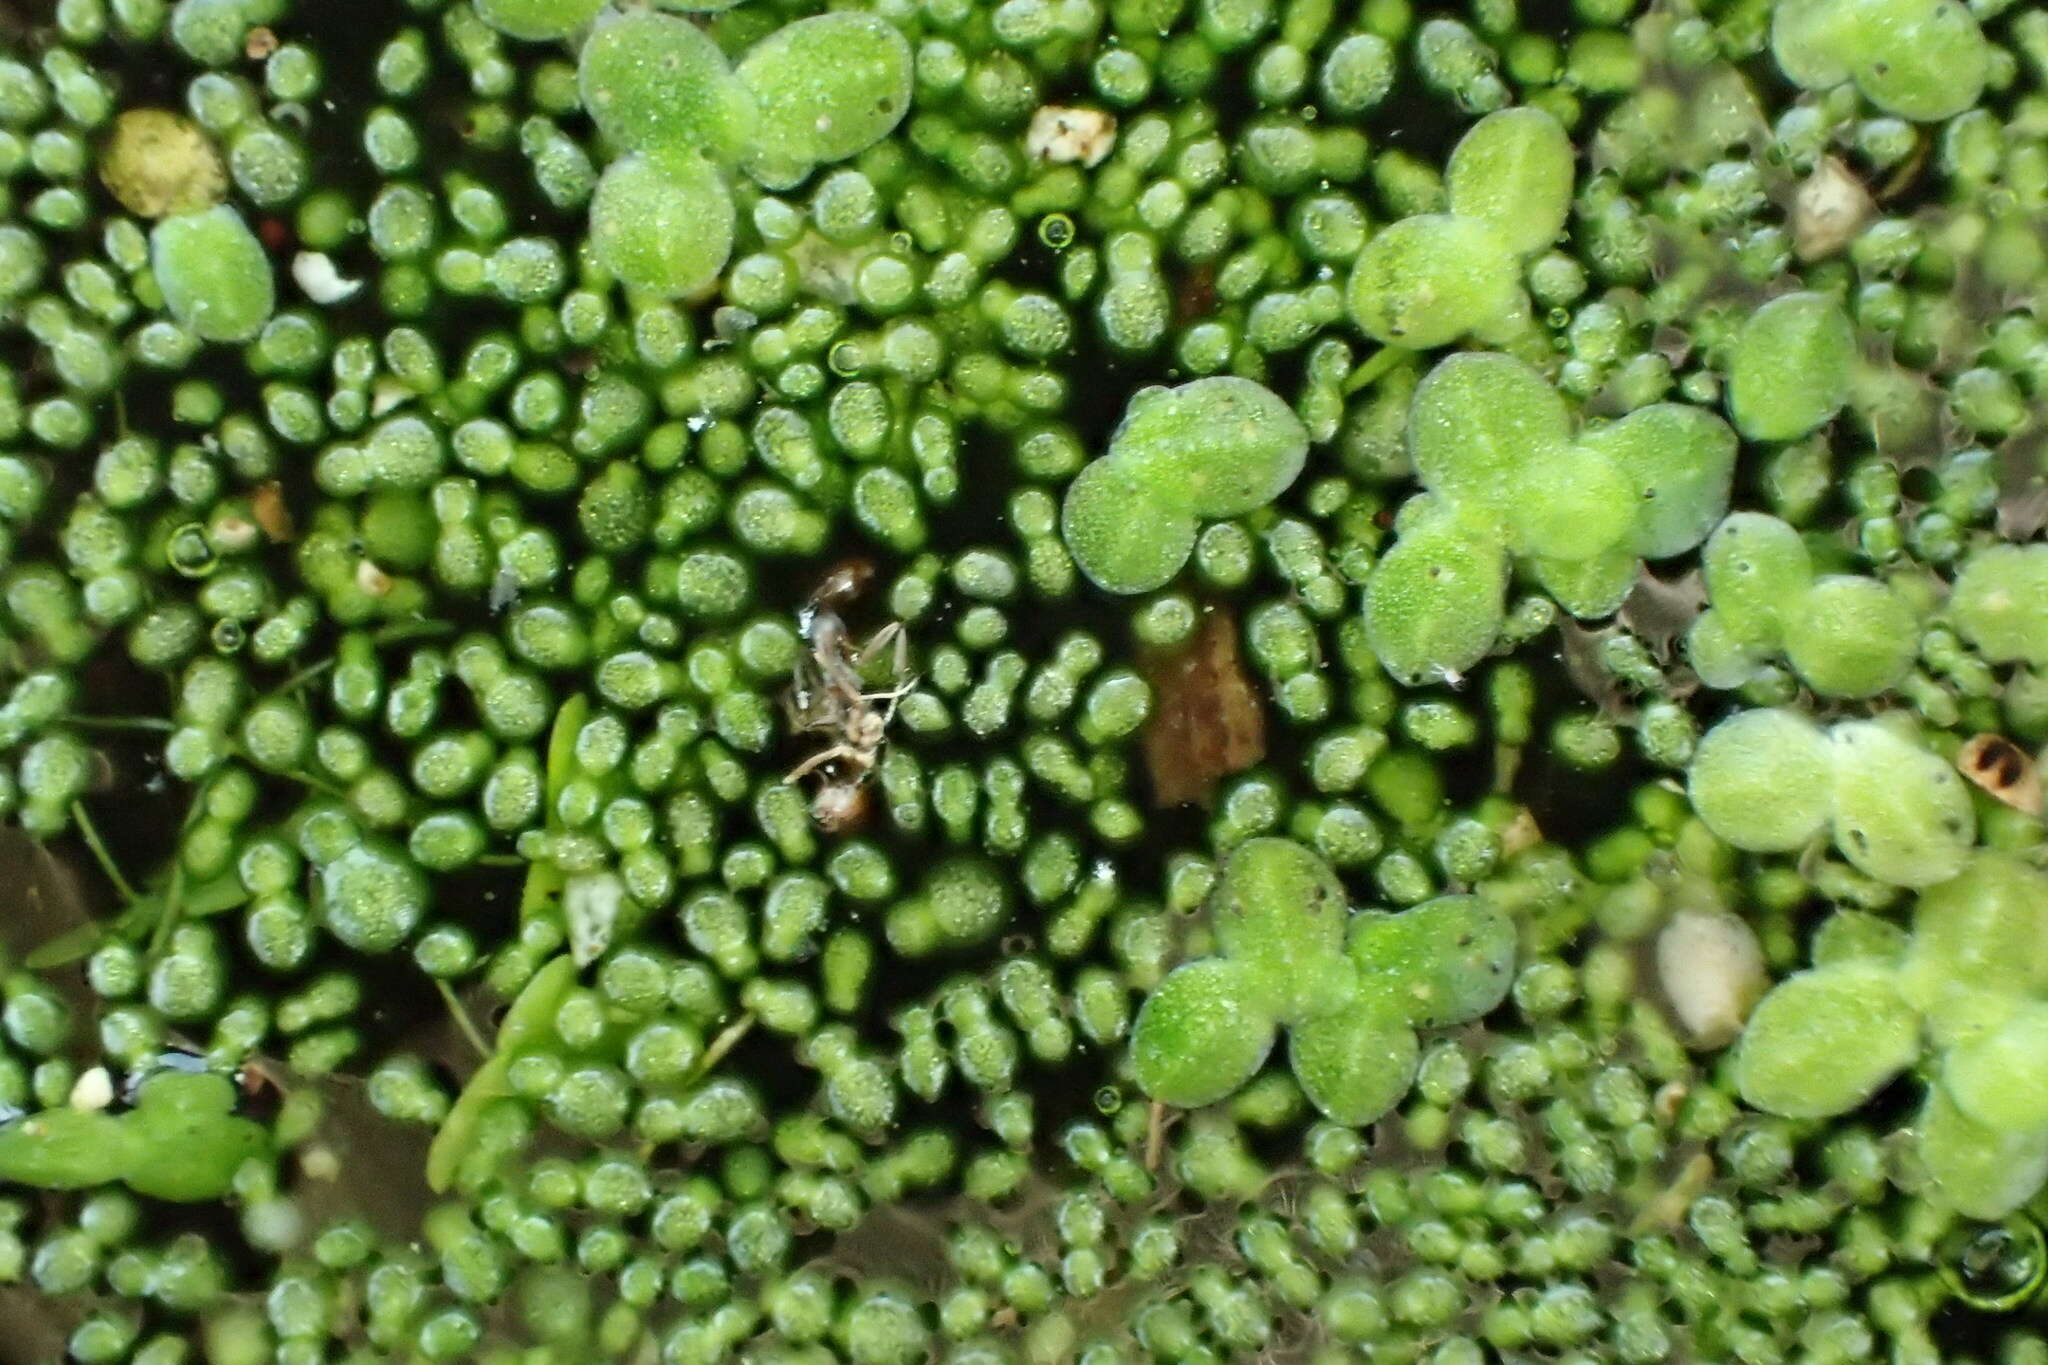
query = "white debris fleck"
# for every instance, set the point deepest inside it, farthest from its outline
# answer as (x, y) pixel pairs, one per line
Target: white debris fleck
(321, 281)
(591, 902)
(1829, 209)
(1059, 133)
(371, 580)
(388, 395)
(1712, 972)
(93, 1090)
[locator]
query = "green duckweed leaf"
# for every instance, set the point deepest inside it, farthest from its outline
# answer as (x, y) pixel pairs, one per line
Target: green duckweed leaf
(1755, 566)
(73, 945)
(1811, 39)
(215, 277)
(1679, 461)
(969, 899)
(372, 895)
(1591, 588)
(1216, 447)
(1984, 930)
(1435, 602)
(1446, 961)
(1119, 536)
(1513, 172)
(663, 224)
(1981, 1171)
(1789, 371)
(527, 1024)
(828, 87)
(66, 1149)
(1355, 1064)
(2000, 603)
(1851, 636)
(1573, 504)
(1858, 935)
(188, 1140)
(1999, 1078)
(1476, 419)
(536, 21)
(1825, 1040)
(1279, 912)
(657, 83)
(1722, 658)
(1429, 279)
(1901, 814)
(1198, 1036)
(1763, 780)
(1924, 60)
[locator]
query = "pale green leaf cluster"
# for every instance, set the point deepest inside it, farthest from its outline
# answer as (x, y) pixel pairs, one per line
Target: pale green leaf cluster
(1970, 988)
(1507, 478)
(1771, 780)
(1350, 988)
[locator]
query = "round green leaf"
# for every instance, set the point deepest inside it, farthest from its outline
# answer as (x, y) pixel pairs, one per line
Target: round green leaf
(1590, 588)
(657, 83)
(1573, 504)
(1198, 1037)
(2000, 1078)
(537, 20)
(1901, 814)
(1851, 636)
(1763, 780)
(1123, 540)
(215, 277)
(1679, 461)
(373, 896)
(1979, 1170)
(1513, 172)
(1984, 930)
(1722, 658)
(1435, 602)
(1217, 447)
(2000, 603)
(1789, 371)
(1428, 280)
(1756, 567)
(828, 87)
(969, 899)
(1824, 1041)
(1355, 1064)
(1443, 962)
(1924, 60)
(1279, 911)
(1811, 40)
(1476, 419)
(663, 224)
(1849, 935)
(189, 1142)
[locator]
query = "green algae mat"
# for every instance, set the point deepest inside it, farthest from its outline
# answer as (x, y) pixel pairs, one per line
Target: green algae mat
(1023, 682)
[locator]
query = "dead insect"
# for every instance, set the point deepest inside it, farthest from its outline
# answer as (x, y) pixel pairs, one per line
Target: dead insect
(829, 697)
(2003, 769)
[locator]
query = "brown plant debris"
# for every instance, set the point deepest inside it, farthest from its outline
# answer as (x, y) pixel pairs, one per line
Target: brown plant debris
(1207, 719)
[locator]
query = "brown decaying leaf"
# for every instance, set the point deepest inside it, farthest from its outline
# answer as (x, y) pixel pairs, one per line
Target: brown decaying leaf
(1207, 718)
(267, 506)
(2003, 769)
